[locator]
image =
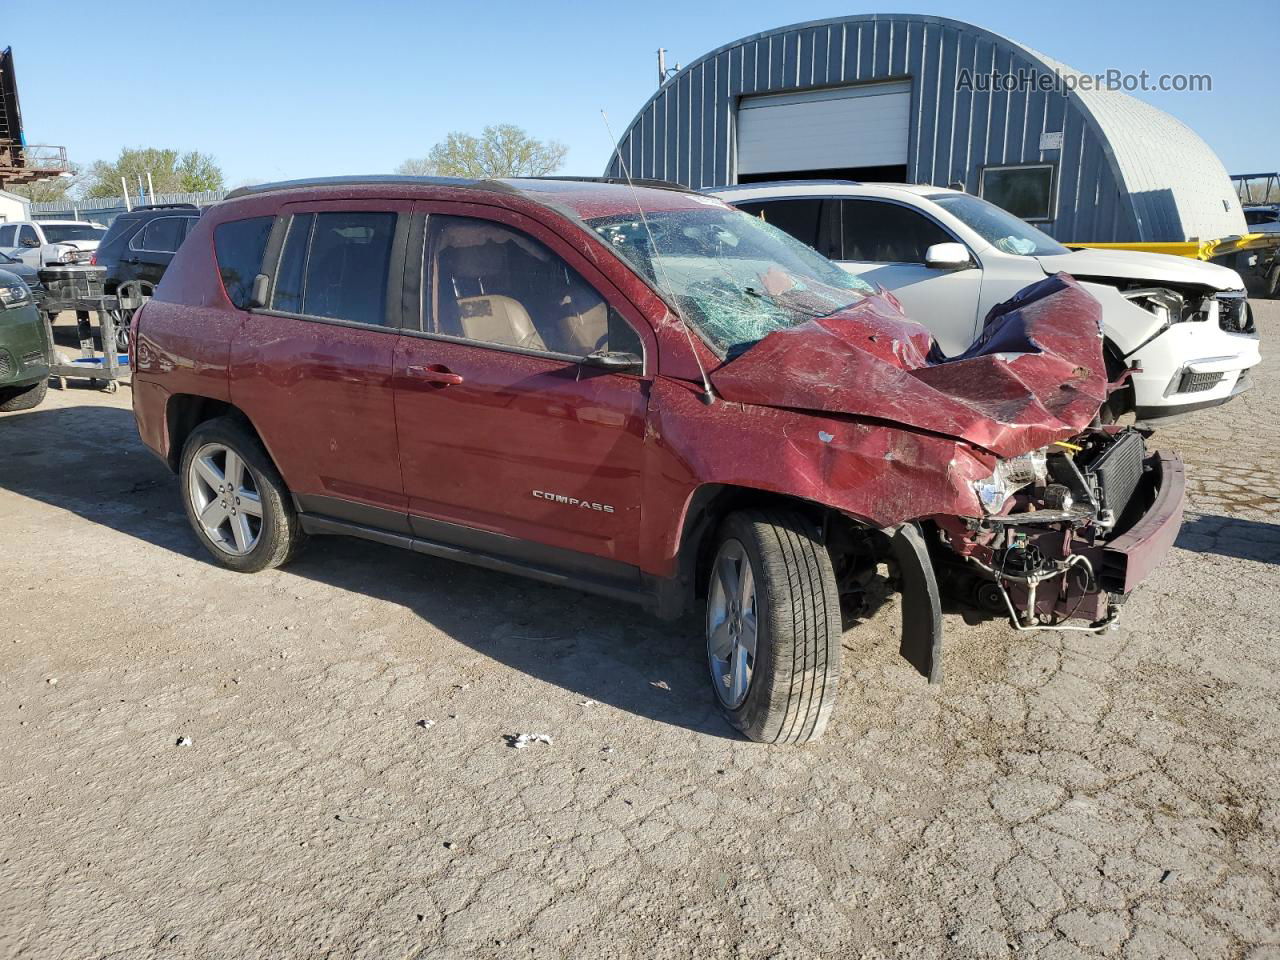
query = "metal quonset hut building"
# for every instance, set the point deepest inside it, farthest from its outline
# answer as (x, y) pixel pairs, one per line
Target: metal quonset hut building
(878, 98)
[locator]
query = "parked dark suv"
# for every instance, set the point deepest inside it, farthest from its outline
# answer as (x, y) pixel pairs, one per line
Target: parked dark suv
(648, 394)
(140, 244)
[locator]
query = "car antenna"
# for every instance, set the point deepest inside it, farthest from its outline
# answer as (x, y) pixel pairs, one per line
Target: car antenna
(708, 395)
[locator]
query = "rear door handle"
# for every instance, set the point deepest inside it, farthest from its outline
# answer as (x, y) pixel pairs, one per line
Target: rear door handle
(436, 373)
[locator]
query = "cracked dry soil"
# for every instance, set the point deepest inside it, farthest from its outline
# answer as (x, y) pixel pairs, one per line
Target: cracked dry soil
(1059, 796)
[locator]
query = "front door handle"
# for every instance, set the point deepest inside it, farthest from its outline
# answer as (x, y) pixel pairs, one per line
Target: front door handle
(436, 373)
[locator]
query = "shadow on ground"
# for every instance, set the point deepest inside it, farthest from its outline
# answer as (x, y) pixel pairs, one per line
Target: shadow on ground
(89, 460)
(1230, 537)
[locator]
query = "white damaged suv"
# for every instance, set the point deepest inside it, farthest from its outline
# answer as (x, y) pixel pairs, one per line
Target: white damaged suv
(1182, 326)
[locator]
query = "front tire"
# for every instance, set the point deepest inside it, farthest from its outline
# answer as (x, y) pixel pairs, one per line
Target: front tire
(773, 626)
(235, 499)
(23, 398)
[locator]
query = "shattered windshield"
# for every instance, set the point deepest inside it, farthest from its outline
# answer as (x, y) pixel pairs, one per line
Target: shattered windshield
(731, 274)
(998, 227)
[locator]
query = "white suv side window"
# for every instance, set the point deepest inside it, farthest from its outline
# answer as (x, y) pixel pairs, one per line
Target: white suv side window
(7, 236)
(27, 234)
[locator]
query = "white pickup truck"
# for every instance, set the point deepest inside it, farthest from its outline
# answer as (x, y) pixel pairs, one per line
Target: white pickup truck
(43, 243)
(1182, 326)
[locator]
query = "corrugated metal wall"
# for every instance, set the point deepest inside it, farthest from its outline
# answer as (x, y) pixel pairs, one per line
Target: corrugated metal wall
(685, 133)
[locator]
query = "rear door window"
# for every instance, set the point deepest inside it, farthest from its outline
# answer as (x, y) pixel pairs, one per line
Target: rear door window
(239, 246)
(8, 236)
(162, 235)
(336, 266)
(811, 220)
(875, 231)
(287, 295)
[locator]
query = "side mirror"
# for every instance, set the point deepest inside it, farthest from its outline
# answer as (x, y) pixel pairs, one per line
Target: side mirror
(29, 242)
(258, 292)
(615, 361)
(948, 256)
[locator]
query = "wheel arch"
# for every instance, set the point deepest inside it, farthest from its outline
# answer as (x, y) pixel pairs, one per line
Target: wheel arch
(705, 511)
(186, 411)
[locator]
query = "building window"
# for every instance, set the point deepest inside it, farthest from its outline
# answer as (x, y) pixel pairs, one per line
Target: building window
(1027, 191)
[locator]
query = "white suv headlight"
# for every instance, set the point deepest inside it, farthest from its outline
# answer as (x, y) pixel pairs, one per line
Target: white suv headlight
(14, 295)
(1010, 476)
(1169, 306)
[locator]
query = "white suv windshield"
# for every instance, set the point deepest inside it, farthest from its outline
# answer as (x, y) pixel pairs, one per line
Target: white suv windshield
(731, 274)
(62, 232)
(998, 227)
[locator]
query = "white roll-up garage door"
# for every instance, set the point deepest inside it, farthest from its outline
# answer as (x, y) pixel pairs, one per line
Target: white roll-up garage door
(862, 126)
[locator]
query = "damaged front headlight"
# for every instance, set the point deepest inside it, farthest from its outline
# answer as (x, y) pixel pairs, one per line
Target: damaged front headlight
(1010, 476)
(1168, 306)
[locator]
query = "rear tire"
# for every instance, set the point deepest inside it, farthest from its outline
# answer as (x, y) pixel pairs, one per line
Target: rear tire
(773, 626)
(236, 501)
(23, 398)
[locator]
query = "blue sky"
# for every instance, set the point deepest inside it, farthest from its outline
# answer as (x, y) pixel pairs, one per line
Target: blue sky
(297, 88)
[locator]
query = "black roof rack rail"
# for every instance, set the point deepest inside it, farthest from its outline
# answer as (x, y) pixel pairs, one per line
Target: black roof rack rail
(621, 181)
(373, 179)
(164, 206)
(508, 184)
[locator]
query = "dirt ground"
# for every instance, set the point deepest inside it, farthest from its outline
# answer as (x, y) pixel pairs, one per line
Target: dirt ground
(349, 788)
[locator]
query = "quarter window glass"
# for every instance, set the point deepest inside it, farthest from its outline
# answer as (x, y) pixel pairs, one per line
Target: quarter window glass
(498, 285)
(288, 290)
(161, 236)
(239, 245)
(347, 267)
(876, 232)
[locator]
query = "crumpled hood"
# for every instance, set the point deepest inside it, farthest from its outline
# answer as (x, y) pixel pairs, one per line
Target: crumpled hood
(1036, 374)
(1134, 265)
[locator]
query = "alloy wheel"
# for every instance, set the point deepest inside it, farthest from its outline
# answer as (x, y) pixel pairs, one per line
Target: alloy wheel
(732, 624)
(225, 499)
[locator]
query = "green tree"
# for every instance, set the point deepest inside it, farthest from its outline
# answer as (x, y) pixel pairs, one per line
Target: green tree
(503, 150)
(171, 172)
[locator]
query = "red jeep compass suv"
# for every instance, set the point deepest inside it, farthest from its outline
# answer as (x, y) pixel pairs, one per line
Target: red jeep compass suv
(642, 392)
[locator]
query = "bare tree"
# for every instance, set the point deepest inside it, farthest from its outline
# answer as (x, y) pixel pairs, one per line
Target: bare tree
(503, 150)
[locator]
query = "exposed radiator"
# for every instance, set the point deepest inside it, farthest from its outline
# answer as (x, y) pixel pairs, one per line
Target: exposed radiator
(1118, 470)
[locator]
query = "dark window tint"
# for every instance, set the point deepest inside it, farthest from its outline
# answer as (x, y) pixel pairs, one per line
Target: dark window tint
(1026, 192)
(162, 235)
(239, 245)
(797, 217)
(8, 236)
(875, 231)
(498, 285)
(28, 236)
(66, 232)
(121, 227)
(347, 266)
(288, 290)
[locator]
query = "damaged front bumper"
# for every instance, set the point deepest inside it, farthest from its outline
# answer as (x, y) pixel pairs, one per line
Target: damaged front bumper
(1073, 569)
